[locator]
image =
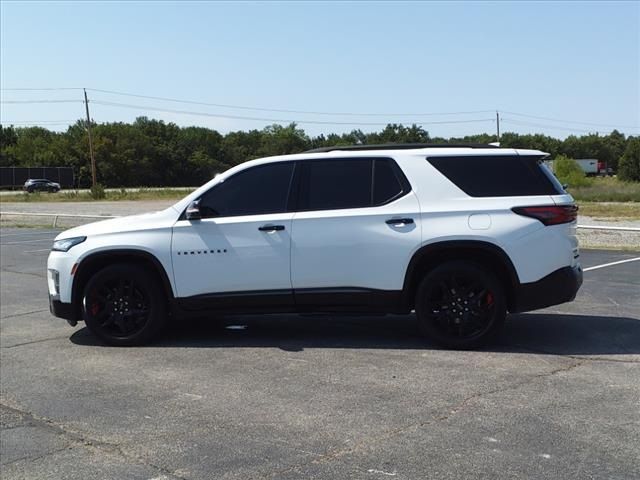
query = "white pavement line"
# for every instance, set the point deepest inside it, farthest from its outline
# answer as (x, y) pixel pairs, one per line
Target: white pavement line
(611, 264)
(606, 227)
(25, 234)
(34, 251)
(26, 242)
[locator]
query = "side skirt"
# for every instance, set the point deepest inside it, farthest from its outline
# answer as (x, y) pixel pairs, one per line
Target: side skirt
(326, 300)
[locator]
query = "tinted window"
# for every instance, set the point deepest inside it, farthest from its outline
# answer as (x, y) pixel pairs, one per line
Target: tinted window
(496, 176)
(255, 191)
(386, 184)
(334, 184)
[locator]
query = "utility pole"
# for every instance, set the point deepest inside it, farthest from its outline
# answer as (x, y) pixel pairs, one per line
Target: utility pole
(93, 158)
(498, 126)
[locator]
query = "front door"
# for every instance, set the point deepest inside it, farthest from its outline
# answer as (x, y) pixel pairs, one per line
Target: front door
(239, 252)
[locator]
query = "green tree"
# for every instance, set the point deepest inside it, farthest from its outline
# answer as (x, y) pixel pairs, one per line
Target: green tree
(568, 171)
(279, 140)
(398, 133)
(8, 138)
(629, 169)
(589, 146)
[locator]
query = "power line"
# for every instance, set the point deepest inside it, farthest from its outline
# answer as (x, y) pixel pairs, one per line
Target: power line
(41, 101)
(37, 122)
(570, 121)
(532, 124)
(303, 112)
(40, 89)
(306, 112)
(276, 120)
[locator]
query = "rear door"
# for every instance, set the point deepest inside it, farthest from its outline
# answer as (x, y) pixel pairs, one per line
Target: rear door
(356, 227)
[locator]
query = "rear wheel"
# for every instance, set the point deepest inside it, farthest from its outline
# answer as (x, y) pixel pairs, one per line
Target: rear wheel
(460, 305)
(124, 305)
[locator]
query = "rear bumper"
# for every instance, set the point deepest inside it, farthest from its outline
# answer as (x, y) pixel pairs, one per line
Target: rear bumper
(558, 287)
(63, 310)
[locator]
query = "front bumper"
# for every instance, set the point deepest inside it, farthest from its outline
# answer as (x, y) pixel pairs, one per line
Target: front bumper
(63, 310)
(558, 287)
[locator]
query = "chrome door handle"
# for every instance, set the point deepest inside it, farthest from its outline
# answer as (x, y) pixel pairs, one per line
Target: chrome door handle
(271, 228)
(399, 222)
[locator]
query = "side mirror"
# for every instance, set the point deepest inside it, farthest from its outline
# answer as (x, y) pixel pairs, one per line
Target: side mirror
(193, 211)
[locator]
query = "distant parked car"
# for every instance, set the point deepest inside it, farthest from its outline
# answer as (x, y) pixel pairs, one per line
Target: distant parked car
(41, 185)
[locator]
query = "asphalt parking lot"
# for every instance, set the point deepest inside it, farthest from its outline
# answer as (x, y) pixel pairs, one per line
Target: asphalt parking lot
(290, 397)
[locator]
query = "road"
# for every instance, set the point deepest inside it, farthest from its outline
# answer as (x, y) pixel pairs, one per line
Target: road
(290, 397)
(4, 193)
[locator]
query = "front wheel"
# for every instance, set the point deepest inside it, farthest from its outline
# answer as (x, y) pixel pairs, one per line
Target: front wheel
(460, 305)
(124, 305)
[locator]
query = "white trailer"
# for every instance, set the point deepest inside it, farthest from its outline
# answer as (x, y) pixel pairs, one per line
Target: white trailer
(590, 166)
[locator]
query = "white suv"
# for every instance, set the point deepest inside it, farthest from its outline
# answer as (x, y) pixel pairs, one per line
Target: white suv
(460, 234)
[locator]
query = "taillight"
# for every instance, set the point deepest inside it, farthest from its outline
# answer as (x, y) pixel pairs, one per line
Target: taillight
(550, 215)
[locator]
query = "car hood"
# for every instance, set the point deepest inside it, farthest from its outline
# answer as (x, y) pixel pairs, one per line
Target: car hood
(145, 221)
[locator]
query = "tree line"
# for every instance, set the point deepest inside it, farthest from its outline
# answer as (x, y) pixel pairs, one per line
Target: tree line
(151, 152)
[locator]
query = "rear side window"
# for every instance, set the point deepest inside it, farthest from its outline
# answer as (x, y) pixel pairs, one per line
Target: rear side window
(334, 184)
(386, 184)
(497, 176)
(350, 183)
(255, 191)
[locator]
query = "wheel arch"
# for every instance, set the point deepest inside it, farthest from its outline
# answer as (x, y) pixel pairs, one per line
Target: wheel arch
(484, 253)
(94, 262)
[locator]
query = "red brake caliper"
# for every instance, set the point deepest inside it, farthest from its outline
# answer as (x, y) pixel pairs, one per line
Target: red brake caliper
(95, 308)
(489, 298)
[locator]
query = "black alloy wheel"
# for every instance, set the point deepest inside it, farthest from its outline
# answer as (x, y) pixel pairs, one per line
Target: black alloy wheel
(460, 305)
(124, 305)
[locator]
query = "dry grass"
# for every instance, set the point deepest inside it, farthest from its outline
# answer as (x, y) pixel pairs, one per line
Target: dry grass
(610, 210)
(606, 189)
(110, 195)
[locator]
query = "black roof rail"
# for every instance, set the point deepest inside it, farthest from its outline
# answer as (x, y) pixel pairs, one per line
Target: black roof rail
(399, 146)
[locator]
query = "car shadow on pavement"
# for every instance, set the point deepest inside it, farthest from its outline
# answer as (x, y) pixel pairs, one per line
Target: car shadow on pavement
(551, 333)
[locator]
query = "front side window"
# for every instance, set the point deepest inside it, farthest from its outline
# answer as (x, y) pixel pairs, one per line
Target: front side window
(259, 190)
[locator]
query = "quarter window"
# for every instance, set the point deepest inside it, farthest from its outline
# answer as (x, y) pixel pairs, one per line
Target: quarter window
(255, 191)
(497, 175)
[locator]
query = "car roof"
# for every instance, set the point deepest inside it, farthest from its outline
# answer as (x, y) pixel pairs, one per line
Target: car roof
(394, 150)
(400, 146)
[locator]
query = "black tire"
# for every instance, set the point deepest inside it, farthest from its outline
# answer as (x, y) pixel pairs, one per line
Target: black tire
(460, 305)
(124, 305)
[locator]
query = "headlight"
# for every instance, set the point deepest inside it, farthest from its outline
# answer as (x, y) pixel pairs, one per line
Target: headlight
(65, 244)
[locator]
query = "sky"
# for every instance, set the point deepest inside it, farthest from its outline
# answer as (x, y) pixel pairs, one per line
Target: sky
(575, 65)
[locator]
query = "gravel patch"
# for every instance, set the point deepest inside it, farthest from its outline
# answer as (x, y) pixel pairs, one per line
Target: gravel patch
(608, 239)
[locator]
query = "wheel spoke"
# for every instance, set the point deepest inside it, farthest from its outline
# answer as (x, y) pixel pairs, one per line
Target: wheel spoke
(110, 320)
(459, 305)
